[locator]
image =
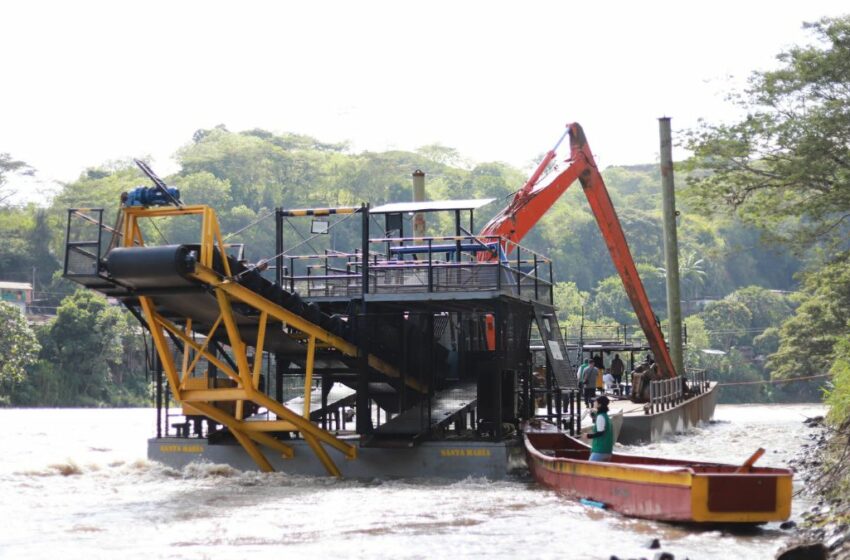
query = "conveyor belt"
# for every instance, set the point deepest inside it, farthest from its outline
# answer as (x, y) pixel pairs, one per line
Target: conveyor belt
(162, 273)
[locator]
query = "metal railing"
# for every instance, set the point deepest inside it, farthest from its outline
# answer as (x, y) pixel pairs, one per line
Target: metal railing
(698, 382)
(561, 407)
(621, 334)
(422, 265)
(664, 395)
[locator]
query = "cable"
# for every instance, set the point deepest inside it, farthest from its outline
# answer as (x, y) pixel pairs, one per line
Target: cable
(153, 223)
(261, 264)
(374, 220)
(252, 224)
(306, 240)
(772, 381)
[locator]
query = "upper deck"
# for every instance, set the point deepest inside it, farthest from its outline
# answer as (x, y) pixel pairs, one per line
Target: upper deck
(427, 268)
(398, 268)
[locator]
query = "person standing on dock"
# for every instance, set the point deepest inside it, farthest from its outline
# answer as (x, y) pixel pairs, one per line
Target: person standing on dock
(588, 378)
(580, 372)
(610, 383)
(580, 376)
(617, 369)
(602, 437)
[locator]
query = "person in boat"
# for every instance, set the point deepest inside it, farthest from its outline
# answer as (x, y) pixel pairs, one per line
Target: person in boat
(602, 436)
(588, 379)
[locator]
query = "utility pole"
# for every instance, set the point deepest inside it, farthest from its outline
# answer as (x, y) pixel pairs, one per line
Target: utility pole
(671, 246)
(419, 196)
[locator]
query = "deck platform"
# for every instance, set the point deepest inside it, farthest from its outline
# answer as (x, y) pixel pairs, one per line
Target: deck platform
(645, 428)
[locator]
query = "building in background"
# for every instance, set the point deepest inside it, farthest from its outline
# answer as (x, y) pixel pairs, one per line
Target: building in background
(16, 293)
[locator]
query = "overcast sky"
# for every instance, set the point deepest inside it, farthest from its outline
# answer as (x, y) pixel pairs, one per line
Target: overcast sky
(86, 82)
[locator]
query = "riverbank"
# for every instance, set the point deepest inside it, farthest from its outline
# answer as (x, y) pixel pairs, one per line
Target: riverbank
(824, 467)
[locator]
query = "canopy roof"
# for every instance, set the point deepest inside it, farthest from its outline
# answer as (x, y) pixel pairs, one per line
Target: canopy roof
(431, 206)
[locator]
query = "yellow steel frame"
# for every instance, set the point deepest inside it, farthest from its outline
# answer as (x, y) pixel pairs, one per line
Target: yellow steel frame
(246, 376)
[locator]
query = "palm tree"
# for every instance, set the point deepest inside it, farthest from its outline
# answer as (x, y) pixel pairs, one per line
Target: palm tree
(691, 275)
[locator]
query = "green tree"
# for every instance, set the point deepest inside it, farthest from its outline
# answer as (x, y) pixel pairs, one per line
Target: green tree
(697, 342)
(838, 397)
(610, 301)
(727, 323)
(786, 166)
(769, 309)
(569, 300)
(744, 380)
(441, 154)
(821, 320)
(767, 343)
(85, 343)
(18, 349)
(8, 165)
(26, 251)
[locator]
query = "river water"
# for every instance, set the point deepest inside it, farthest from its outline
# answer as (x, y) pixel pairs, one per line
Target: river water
(75, 483)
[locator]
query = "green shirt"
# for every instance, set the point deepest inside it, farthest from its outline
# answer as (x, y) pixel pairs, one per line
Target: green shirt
(605, 442)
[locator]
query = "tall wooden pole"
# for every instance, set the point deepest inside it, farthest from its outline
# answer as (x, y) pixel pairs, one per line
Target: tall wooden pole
(418, 196)
(671, 246)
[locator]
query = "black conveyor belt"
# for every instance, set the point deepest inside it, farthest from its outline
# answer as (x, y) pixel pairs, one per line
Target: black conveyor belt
(151, 267)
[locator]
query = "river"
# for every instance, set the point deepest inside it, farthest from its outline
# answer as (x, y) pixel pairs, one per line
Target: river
(75, 484)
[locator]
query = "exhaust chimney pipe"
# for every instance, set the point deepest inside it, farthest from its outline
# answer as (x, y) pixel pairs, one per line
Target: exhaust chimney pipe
(419, 196)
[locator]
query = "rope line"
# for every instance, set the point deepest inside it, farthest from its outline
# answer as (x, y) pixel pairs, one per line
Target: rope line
(776, 380)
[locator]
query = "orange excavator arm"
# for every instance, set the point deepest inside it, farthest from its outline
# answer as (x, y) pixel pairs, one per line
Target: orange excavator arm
(538, 195)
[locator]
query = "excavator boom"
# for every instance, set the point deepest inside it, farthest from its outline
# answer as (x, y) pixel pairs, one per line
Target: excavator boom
(538, 195)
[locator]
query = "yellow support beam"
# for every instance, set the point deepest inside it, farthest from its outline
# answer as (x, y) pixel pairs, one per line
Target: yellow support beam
(213, 395)
(176, 331)
(239, 347)
(239, 350)
(323, 456)
(268, 426)
(258, 349)
(246, 376)
(185, 374)
(260, 303)
(249, 446)
(203, 347)
(304, 426)
(233, 424)
(165, 356)
(308, 376)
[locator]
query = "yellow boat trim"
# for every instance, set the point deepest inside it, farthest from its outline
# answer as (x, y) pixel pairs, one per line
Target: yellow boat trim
(625, 474)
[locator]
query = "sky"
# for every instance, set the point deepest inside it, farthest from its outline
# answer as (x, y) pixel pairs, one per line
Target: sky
(86, 82)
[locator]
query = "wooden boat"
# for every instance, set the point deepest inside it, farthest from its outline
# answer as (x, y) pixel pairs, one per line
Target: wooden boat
(656, 488)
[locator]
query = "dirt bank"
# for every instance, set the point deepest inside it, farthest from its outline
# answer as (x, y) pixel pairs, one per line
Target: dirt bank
(823, 466)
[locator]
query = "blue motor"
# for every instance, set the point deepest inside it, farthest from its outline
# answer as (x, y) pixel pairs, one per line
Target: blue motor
(152, 196)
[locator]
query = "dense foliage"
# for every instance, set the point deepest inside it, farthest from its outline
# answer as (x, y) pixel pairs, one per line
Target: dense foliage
(18, 349)
(781, 174)
(785, 169)
(244, 176)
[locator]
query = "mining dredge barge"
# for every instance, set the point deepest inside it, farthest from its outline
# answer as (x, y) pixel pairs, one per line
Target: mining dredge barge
(411, 353)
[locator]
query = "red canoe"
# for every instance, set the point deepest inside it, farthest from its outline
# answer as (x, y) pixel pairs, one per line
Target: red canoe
(655, 488)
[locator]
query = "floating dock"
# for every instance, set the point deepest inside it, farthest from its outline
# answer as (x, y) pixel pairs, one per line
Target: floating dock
(412, 361)
(429, 334)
